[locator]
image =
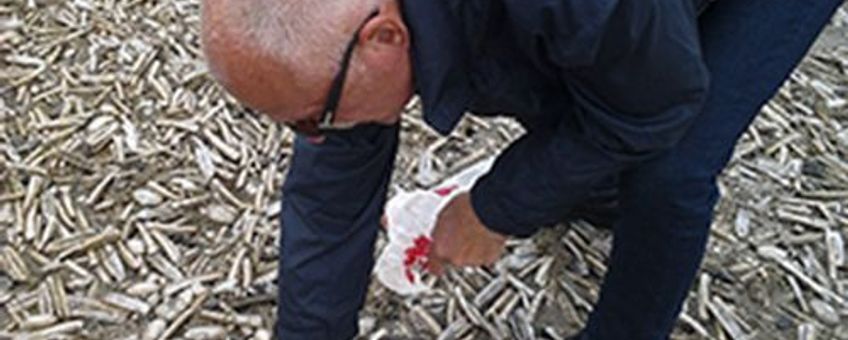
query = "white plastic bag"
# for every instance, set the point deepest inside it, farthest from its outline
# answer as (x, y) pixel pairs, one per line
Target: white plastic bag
(410, 218)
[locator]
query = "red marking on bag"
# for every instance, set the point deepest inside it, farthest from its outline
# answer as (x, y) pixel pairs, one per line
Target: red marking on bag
(444, 192)
(416, 257)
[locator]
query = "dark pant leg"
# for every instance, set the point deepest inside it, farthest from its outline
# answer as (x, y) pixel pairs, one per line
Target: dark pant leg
(750, 47)
(332, 202)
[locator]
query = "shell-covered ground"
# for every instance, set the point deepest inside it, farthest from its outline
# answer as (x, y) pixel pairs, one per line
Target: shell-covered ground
(139, 201)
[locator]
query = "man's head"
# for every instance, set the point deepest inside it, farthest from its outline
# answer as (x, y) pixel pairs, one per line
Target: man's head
(281, 56)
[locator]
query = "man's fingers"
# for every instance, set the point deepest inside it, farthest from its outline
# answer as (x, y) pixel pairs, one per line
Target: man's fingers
(437, 258)
(435, 266)
(491, 260)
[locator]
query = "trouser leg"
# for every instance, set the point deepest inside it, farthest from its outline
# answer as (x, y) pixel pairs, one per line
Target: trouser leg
(666, 204)
(332, 202)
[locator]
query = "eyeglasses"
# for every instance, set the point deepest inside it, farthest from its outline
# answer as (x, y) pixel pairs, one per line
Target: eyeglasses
(317, 127)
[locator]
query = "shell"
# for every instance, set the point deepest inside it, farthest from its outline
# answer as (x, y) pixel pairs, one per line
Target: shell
(147, 197)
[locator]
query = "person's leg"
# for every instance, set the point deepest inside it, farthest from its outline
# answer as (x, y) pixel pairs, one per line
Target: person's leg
(332, 202)
(666, 204)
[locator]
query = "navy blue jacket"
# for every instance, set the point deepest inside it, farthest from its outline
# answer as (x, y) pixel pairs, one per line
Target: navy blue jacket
(601, 85)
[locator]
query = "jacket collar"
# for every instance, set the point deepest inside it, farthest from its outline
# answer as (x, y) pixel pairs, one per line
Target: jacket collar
(440, 62)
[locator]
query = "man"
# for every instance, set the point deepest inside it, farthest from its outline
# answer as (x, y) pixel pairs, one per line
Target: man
(610, 91)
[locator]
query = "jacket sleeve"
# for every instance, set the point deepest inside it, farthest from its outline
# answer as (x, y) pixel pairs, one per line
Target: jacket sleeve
(333, 199)
(630, 95)
(340, 184)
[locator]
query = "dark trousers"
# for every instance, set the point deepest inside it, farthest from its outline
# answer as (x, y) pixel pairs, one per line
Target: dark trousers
(334, 194)
(666, 205)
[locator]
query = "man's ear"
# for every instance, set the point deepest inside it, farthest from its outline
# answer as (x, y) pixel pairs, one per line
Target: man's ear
(387, 29)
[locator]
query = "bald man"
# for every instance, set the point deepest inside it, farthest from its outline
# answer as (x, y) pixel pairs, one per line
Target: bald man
(644, 94)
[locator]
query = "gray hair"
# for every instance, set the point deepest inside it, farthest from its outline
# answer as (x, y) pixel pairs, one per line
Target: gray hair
(306, 34)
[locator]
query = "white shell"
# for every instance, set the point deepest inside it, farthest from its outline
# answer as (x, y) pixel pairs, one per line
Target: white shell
(147, 197)
(206, 333)
(221, 213)
(154, 329)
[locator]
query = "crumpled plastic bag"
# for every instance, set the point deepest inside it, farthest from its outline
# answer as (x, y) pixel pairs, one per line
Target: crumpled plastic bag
(410, 219)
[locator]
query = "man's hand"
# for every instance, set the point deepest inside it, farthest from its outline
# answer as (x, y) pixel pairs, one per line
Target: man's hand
(460, 239)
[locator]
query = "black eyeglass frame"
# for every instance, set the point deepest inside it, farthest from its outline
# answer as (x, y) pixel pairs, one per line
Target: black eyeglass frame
(312, 128)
